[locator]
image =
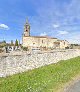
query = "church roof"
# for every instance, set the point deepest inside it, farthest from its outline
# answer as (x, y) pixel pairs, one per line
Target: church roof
(27, 22)
(41, 37)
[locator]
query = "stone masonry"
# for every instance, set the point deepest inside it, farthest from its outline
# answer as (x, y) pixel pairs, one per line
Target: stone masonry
(22, 61)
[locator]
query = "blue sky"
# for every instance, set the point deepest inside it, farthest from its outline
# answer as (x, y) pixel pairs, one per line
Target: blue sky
(55, 18)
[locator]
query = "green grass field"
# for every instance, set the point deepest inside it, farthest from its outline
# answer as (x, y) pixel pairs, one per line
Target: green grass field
(49, 78)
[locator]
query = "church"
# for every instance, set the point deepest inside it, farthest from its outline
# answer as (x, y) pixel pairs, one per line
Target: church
(41, 42)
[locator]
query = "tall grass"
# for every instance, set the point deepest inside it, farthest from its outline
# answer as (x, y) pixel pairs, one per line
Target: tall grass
(49, 78)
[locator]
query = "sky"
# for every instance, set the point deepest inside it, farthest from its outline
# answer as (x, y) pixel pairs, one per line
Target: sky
(55, 18)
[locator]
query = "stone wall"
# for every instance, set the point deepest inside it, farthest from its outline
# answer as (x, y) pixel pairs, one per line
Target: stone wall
(22, 61)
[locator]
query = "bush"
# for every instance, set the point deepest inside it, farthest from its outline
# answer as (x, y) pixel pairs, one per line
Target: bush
(2, 45)
(1, 50)
(66, 47)
(25, 48)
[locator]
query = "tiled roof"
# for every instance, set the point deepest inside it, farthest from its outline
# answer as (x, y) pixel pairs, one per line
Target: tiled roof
(41, 37)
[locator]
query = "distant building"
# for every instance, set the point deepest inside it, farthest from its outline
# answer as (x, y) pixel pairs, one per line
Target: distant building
(41, 42)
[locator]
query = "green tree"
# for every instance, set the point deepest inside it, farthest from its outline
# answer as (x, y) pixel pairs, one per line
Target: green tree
(12, 43)
(16, 43)
(3, 44)
(4, 41)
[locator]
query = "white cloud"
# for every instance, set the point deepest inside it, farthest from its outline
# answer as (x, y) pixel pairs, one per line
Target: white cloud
(72, 37)
(3, 26)
(74, 41)
(56, 25)
(43, 34)
(63, 32)
(75, 38)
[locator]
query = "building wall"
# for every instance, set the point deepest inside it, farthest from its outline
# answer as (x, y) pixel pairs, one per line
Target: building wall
(38, 42)
(64, 44)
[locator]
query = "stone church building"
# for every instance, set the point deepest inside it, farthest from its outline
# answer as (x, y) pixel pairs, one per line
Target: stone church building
(41, 42)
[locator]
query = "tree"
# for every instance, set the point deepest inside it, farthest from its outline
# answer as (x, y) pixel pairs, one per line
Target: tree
(12, 43)
(4, 41)
(3, 44)
(16, 43)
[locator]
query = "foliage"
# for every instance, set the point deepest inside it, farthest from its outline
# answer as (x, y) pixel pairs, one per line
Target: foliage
(12, 44)
(16, 43)
(75, 45)
(48, 78)
(25, 48)
(1, 50)
(4, 41)
(2, 44)
(67, 47)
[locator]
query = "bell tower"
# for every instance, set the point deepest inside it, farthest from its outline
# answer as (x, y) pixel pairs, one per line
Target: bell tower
(27, 28)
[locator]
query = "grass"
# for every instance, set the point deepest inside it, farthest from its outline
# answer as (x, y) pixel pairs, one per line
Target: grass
(49, 78)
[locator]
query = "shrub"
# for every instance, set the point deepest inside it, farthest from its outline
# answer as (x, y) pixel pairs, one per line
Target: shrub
(1, 50)
(25, 48)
